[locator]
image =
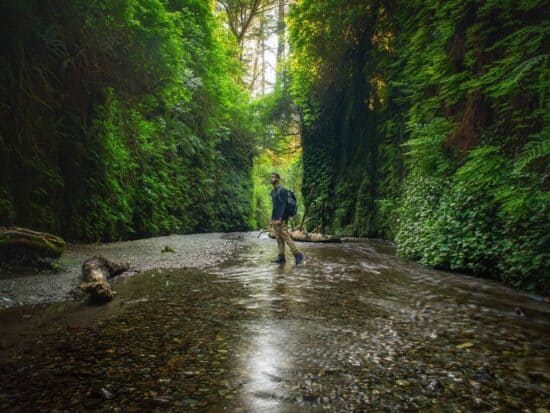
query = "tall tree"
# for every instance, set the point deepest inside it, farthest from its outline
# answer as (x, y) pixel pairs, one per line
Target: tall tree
(240, 15)
(281, 37)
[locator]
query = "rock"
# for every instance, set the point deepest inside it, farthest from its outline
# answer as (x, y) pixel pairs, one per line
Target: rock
(484, 374)
(465, 345)
(106, 394)
(434, 385)
(77, 293)
(310, 396)
(519, 312)
(168, 249)
(101, 393)
(161, 400)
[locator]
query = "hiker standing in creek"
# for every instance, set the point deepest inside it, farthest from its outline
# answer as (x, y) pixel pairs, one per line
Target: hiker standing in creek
(279, 221)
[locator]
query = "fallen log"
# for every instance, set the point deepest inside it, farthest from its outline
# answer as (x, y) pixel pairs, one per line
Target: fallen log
(95, 273)
(304, 236)
(25, 246)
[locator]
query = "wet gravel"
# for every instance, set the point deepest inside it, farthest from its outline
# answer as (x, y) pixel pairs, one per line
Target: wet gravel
(190, 251)
(354, 329)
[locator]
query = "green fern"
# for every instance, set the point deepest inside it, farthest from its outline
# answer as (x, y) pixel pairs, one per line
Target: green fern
(536, 151)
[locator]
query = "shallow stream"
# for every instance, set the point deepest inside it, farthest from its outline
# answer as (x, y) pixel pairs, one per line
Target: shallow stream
(354, 328)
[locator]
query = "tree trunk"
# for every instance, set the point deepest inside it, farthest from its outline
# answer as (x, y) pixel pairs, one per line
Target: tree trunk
(262, 53)
(281, 41)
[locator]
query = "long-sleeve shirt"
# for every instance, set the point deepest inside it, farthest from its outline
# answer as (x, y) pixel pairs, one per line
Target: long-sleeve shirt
(279, 199)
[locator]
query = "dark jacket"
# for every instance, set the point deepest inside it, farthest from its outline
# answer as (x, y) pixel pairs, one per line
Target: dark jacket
(279, 199)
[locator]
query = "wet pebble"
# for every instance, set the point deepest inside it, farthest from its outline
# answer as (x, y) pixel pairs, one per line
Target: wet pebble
(483, 374)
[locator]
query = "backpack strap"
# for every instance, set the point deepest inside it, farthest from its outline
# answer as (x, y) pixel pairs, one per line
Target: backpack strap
(279, 190)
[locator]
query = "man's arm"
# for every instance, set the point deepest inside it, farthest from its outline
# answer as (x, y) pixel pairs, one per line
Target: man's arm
(273, 207)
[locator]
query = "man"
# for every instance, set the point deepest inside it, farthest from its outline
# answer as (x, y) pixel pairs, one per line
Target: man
(279, 221)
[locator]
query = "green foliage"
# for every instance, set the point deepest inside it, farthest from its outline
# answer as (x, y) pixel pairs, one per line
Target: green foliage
(428, 122)
(121, 119)
(278, 150)
(486, 218)
(424, 148)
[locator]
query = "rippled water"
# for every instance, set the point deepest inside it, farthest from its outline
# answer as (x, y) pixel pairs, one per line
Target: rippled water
(353, 329)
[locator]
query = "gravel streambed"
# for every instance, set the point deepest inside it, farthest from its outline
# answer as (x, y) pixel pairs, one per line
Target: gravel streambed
(190, 251)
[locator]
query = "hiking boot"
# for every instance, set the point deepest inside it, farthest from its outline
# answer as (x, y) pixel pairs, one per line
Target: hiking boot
(279, 260)
(299, 258)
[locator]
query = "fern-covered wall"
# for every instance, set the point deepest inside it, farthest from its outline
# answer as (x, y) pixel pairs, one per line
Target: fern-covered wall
(427, 122)
(122, 119)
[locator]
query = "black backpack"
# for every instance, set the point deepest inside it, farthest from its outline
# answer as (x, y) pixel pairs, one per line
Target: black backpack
(291, 204)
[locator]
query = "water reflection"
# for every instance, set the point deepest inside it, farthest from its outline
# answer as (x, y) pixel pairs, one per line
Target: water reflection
(357, 327)
(263, 362)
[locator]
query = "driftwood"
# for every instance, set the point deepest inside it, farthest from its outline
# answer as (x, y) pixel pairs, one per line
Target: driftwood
(304, 236)
(95, 273)
(100, 291)
(99, 268)
(22, 245)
